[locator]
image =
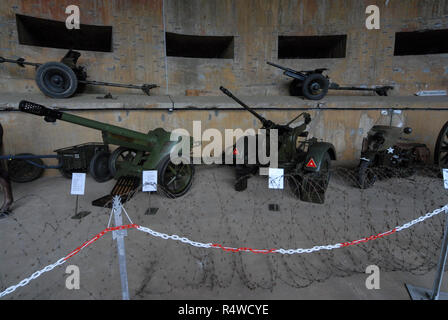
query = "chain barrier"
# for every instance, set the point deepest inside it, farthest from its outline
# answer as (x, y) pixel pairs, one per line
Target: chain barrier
(218, 246)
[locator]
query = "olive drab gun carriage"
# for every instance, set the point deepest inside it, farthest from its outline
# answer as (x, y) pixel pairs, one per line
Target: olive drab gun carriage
(137, 152)
(306, 161)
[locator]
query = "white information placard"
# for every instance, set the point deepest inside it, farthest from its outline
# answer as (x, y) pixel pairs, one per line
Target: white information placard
(276, 178)
(78, 183)
(149, 181)
(445, 178)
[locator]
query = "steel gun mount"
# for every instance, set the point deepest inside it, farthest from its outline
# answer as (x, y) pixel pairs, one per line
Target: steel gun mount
(65, 78)
(306, 162)
(137, 152)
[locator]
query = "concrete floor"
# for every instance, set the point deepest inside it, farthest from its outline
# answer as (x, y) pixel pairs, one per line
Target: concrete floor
(41, 231)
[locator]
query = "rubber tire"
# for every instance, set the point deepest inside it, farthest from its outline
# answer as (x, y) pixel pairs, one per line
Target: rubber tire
(295, 88)
(311, 78)
(362, 176)
(37, 172)
(66, 71)
(100, 159)
(161, 169)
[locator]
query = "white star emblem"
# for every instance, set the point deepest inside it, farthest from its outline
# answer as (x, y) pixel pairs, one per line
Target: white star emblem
(390, 150)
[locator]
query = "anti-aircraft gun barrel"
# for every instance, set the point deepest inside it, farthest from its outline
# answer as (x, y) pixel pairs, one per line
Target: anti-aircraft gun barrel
(130, 138)
(245, 106)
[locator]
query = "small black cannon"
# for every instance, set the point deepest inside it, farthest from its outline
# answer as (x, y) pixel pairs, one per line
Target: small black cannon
(314, 85)
(311, 84)
(65, 78)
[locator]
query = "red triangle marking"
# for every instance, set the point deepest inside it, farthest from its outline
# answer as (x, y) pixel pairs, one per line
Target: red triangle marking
(235, 151)
(311, 164)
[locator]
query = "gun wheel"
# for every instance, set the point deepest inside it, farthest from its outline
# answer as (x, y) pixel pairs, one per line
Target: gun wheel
(366, 176)
(121, 156)
(21, 170)
(441, 149)
(99, 166)
(175, 179)
(56, 80)
(315, 86)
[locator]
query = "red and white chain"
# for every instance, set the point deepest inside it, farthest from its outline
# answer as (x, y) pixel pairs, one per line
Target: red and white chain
(218, 246)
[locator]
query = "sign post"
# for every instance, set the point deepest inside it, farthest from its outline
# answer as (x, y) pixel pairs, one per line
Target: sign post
(119, 236)
(78, 187)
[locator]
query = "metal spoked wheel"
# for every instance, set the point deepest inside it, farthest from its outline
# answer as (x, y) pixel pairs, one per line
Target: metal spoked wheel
(56, 80)
(20, 170)
(315, 86)
(175, 179)
(121, 156)
(441, 149)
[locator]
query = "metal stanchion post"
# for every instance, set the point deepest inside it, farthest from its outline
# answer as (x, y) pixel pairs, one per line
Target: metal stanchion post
(119, 236)
(418, 293)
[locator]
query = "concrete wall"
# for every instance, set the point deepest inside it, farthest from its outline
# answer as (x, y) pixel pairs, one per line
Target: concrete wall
(139, 49)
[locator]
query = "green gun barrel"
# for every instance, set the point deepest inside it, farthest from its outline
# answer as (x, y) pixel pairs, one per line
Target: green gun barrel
(111, 134)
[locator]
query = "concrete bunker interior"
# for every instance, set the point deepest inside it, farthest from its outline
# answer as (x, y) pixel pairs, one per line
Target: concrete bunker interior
(190, 49)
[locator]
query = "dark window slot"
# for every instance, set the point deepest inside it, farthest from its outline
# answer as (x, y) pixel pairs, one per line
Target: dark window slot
(421, 42)
(312, 47)
(54, 34)
(187, 46)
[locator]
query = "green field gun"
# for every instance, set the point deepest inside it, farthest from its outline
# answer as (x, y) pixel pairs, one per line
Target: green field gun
(136, 153)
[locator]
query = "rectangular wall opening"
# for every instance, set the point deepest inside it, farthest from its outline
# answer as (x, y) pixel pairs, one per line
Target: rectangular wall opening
(312, 47)
(188, 46)
(54, 34)
(421, 42)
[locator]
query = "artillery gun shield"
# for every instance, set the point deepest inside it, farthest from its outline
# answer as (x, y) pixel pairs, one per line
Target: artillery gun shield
(56, 80)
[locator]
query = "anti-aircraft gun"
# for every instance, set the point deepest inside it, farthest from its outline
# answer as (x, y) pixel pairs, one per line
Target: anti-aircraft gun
(306, 162)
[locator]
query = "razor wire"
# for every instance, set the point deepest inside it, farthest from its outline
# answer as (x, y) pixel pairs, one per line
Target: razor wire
(185, 240)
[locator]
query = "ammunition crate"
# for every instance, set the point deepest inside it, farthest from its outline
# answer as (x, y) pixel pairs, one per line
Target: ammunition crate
(77, 158)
